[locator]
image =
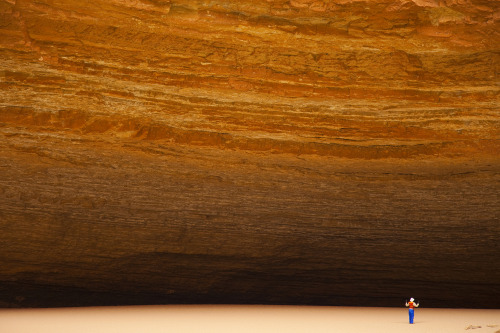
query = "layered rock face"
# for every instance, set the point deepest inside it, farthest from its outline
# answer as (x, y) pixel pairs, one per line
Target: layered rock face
(279, 152)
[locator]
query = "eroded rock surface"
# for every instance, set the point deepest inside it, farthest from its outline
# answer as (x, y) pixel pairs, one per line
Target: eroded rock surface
(306, 152)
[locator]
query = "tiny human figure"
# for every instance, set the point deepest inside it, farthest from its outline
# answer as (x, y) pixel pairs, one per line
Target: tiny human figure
(411, 305)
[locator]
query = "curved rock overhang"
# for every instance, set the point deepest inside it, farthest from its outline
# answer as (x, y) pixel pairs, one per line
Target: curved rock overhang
(271, 152)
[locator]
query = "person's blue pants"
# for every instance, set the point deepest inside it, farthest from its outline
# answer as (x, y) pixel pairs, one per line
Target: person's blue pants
(412, 314)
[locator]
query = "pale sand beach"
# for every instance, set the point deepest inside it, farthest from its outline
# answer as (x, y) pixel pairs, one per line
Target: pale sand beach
(233, 318)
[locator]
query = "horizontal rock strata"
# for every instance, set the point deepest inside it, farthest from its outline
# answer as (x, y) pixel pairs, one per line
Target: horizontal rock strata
(281, 152)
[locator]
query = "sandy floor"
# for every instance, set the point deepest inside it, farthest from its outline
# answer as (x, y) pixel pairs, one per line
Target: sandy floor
(247, 319)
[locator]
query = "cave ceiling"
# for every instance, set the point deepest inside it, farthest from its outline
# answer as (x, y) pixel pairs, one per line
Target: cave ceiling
(262, 152)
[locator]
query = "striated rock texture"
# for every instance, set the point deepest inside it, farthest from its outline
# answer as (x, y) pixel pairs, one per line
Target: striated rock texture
(281, 152)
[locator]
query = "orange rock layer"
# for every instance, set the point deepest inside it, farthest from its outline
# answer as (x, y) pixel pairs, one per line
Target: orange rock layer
(302, 151)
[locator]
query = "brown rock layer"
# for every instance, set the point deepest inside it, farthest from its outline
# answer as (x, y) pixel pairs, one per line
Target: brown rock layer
(307, 152)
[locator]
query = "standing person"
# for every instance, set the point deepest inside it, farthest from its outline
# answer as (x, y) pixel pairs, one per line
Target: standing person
(411, 305)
